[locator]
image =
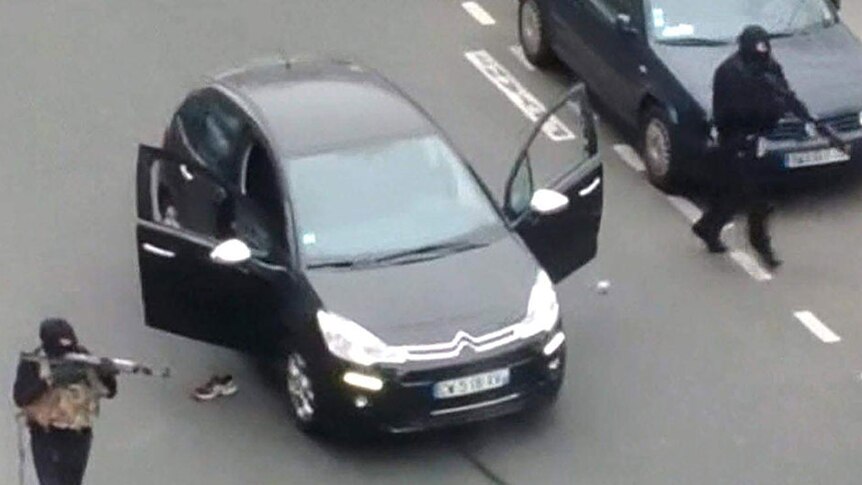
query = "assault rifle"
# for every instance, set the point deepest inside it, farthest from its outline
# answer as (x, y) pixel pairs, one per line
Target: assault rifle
(120, 365)
(798, 108)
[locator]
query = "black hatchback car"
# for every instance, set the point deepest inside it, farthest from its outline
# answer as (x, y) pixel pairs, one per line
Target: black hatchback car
(652, 62)
(314, 215)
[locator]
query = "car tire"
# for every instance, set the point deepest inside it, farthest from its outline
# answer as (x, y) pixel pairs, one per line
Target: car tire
(304, 397)
(658, 148)
(534, 34)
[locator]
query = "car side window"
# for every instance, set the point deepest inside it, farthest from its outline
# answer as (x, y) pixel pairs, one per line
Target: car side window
(521, 189)
(214, 130)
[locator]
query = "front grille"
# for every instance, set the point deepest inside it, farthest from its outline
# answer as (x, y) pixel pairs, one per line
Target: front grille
(795, 129)
(788, 130)
(844, 123)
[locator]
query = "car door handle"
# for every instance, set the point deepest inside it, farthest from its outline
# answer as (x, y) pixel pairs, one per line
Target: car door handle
(590, 188)
(187, 174)
(163, 253)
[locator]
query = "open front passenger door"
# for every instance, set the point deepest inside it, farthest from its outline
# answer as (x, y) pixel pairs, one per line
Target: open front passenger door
(556, 205)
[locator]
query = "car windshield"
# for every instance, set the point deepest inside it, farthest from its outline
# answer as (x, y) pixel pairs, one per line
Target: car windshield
(386, 198)
(680, 20)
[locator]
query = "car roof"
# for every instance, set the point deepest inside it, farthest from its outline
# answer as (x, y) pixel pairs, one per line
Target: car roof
(310, 107)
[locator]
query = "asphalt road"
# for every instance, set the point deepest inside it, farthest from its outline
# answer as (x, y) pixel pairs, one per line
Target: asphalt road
(690, 370)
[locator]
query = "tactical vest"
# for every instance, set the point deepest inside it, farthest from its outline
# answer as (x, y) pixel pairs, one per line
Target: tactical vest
(73, 406)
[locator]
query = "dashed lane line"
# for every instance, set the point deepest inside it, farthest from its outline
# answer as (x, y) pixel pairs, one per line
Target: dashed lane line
(818, 328)
(750, 264)
(518, 52)
(522, 98)
(478, 13)
(630, 156)
(686, 207)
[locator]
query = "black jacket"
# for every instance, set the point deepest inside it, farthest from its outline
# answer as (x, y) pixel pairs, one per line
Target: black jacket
(29, 387)
(748, 101)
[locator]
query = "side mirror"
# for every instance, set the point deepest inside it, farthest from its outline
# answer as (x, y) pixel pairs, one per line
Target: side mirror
(231, 252)
(547, 202)
(624, 25)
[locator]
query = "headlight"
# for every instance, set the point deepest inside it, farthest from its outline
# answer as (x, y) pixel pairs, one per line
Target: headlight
(349, 341)
(543, 311)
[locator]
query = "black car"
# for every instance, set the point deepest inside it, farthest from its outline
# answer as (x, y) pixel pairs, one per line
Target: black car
(651, 62)
(312, 214)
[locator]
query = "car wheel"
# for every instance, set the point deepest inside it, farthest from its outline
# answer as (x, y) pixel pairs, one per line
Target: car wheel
(303, 399)
(534, 34)
(657, 147)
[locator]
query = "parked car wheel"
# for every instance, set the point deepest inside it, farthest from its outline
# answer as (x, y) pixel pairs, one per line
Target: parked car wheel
(534, 34)
(657, 148)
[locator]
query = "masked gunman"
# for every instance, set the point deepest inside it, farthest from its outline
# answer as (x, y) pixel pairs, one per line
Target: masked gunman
(750, 95)
(60, 401)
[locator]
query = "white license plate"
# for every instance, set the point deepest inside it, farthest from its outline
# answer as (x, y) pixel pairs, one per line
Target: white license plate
(815, 157)
(474, 384)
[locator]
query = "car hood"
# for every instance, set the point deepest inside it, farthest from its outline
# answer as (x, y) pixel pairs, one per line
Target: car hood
(823, 67)
(476, 291)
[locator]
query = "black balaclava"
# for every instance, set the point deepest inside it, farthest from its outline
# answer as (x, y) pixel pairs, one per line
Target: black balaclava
(58, 337)
(754, 46)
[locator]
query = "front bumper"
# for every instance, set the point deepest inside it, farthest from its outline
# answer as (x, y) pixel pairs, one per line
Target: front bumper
(772, 154)
(773, 150)
(407, 404)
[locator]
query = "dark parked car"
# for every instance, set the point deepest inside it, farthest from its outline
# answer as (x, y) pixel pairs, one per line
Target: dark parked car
(652, 62)
(312, 214)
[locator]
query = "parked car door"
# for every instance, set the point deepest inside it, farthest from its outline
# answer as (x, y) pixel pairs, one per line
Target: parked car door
(574, 32)
(565, 238)
(609, 43)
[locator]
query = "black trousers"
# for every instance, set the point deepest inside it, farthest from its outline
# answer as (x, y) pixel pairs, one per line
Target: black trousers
(60, 456)
(737, 191)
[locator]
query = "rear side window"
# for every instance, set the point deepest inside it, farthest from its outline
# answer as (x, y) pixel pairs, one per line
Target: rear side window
(214, 131)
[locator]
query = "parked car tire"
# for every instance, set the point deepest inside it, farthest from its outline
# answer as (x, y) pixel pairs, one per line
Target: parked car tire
(659, 149)
(534, 34)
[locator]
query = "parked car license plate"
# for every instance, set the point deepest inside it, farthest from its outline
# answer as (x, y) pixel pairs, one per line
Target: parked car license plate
(464, 386)
(815, 157)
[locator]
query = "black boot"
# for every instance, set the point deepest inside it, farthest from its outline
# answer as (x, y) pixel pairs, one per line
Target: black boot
(713, 241)
(767, 255)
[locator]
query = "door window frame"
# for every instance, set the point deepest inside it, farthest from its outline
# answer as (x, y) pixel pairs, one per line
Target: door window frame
(577, 92)
(212, 96)
(148, 211)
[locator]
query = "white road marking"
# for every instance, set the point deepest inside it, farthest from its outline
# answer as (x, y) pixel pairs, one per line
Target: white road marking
(518, 52)
(523, 99)
(631, 157)
(750, 265)
(818, 328)
(480, 14)
(686, 207)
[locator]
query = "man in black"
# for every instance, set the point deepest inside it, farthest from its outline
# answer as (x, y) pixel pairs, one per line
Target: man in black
(60, 400)
(750, 95)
